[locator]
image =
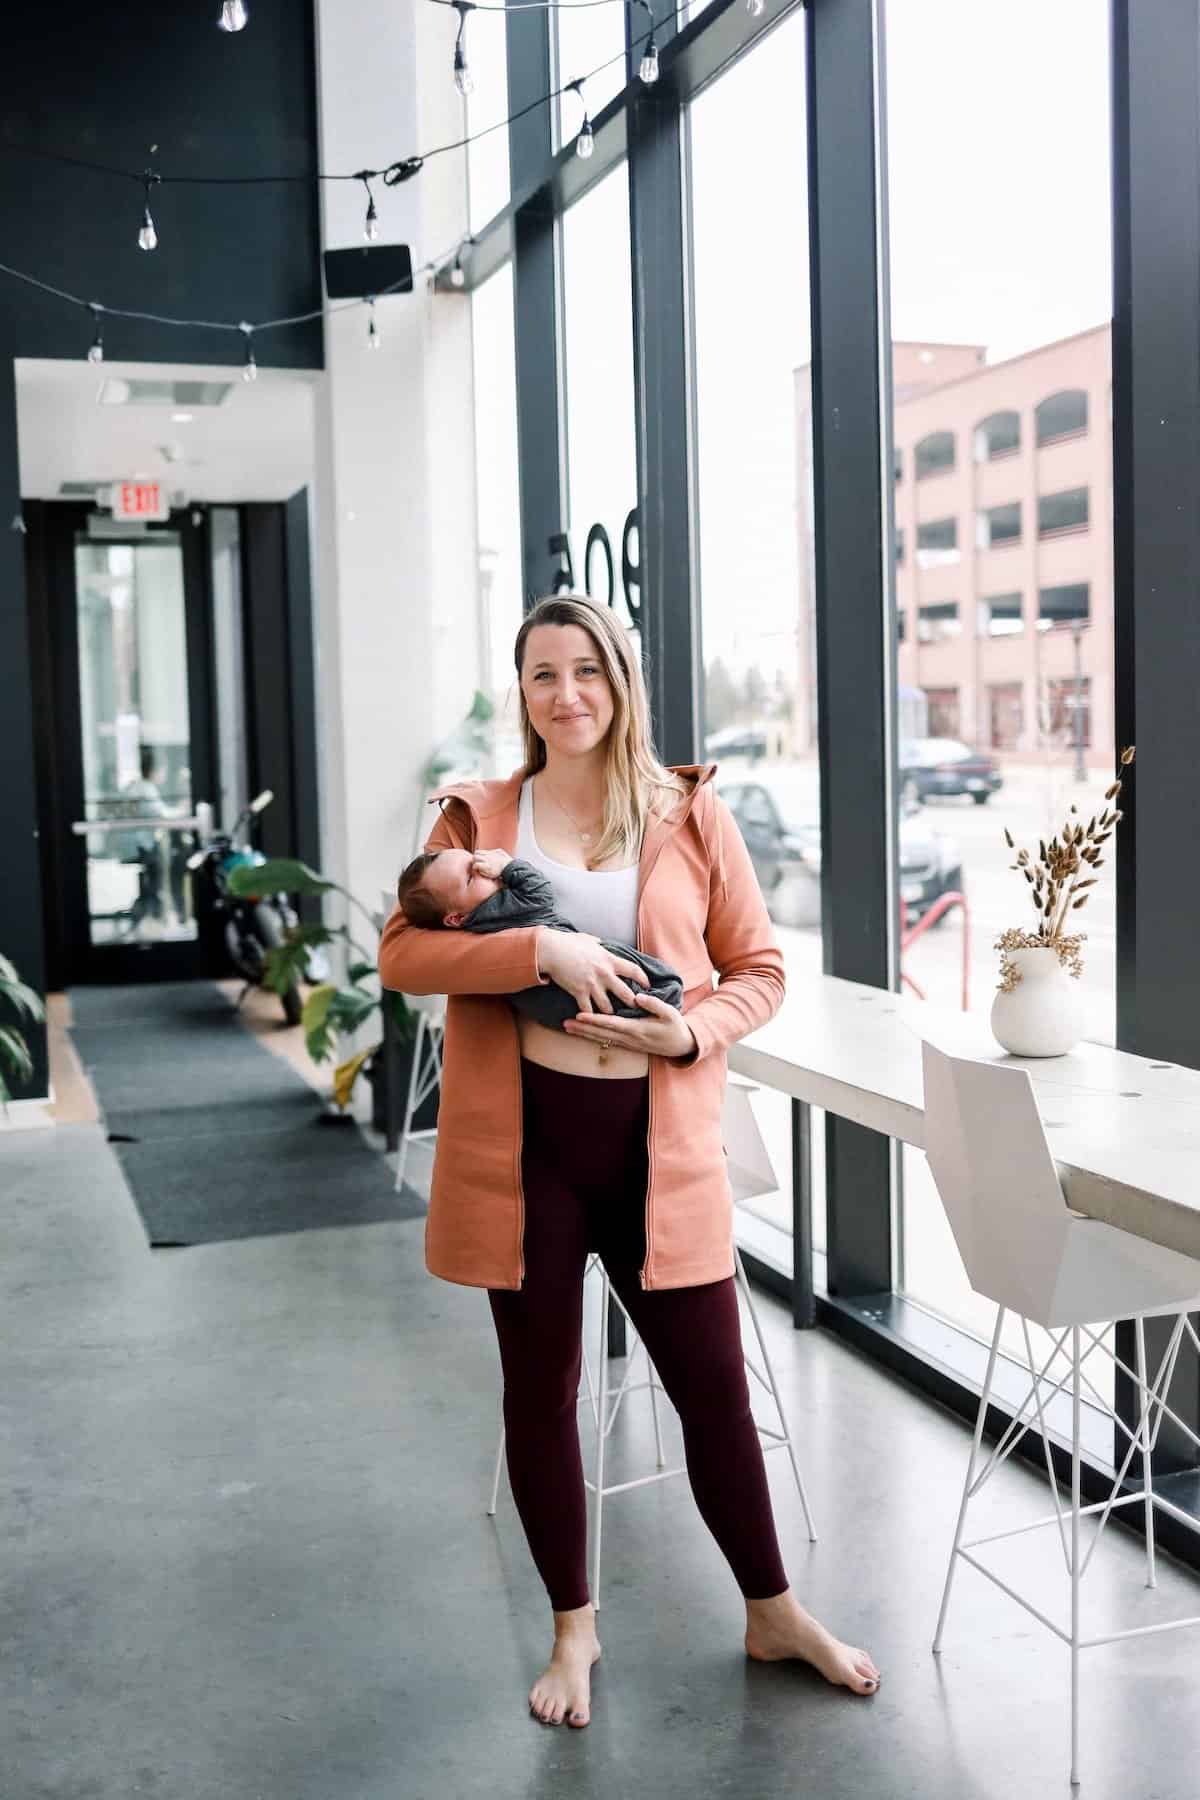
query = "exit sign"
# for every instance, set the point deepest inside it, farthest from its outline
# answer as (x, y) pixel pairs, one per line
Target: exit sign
(140, 500)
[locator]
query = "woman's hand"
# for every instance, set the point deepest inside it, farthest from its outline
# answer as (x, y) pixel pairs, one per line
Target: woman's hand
(663, 1032)
(578, 962)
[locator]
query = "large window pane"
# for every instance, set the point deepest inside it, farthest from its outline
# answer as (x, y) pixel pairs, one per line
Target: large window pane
(591, 42)
(753, 410)
(1001, 309)
(601, 451)
(487, 106)
(498, 503)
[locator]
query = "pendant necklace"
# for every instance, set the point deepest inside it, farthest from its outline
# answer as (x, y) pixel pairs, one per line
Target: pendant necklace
(585, 837)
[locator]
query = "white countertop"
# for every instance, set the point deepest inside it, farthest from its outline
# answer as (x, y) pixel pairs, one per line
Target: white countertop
(1125, 1130)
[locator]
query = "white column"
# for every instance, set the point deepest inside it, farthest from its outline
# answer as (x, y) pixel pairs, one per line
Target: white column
(394, 492)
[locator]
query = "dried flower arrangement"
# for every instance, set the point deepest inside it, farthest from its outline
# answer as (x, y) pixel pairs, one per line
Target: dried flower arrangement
(1061, 877)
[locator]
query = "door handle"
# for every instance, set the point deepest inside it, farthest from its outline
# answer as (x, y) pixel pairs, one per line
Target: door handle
(200, 821)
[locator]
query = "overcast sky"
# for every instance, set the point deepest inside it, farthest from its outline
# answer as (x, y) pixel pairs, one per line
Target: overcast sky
(999, 234)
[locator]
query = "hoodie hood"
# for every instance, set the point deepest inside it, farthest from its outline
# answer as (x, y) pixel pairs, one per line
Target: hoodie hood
(485, 798)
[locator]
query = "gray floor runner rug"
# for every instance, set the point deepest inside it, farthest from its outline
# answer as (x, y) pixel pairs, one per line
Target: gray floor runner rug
(218, 1138)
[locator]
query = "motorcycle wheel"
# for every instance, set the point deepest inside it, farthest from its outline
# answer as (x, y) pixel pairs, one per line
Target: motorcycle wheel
(270, 929)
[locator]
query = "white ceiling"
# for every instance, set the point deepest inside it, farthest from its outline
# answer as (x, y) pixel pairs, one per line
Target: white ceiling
(256, 445)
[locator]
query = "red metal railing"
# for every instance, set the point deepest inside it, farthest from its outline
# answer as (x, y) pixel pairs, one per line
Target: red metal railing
(910, 933)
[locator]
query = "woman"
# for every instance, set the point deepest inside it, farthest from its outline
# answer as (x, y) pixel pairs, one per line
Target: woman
(605, 1135)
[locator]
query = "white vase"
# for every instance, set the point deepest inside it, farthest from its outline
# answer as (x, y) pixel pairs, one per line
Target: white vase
(1043, 1014)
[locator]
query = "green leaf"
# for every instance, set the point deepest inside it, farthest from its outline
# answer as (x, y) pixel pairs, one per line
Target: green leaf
(358, 971)
(278, 875)
(287, 962)
(349, 1007)
(14, 1055)
(21, 998)
(315, 1020)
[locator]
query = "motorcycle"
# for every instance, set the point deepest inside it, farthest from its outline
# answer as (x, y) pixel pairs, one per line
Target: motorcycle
(254, 924)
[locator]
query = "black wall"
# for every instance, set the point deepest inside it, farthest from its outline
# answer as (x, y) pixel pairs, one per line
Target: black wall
(280, 676)
(103, 85)
(21, 888)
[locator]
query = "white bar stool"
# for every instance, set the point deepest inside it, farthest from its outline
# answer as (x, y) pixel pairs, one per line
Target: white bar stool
(425, 1073)
(1024, 1247)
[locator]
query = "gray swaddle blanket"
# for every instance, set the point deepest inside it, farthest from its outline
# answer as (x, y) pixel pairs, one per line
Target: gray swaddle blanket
(525, 897)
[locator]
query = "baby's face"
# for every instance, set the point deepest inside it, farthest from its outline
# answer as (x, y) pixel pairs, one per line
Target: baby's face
(455, 883)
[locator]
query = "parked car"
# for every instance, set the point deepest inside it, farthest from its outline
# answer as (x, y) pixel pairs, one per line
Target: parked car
(936, 766)
(774, 812)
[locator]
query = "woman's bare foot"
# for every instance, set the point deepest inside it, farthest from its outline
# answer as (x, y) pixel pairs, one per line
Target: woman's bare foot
(563, 1690)
(780, 1628)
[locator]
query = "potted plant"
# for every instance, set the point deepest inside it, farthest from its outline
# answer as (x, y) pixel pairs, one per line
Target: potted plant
(16, 1063)
(1037, 1009)
(329, 1009)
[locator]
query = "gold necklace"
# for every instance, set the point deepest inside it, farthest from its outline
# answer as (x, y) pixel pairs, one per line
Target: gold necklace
(585, 837)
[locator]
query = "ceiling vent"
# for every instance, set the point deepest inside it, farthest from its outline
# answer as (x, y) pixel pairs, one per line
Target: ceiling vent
(116, 391)
(79, 490)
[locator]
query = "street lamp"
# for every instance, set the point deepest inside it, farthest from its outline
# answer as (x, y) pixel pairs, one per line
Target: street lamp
(1077, 630)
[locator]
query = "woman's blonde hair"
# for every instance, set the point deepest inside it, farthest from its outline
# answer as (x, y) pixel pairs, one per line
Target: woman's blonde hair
(636, 782)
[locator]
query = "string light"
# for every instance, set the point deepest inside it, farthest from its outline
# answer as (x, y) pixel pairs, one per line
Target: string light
(648, 69)
(96, 352)
(148, 236)
(373, 338)
(371, 222)
(585, 143)
(234, 15)
(756, 8)
(249, 367)
(463, 80)
(458, 275)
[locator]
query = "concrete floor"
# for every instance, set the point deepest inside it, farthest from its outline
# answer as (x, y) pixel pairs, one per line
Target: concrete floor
(246, 1555)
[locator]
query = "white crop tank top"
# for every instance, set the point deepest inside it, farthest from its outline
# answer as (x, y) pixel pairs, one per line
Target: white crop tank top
(602, 901)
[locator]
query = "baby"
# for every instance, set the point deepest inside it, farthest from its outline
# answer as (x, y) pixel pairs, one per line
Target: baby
(492, 891)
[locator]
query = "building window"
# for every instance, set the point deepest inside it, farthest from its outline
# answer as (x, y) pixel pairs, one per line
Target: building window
(1063, 512)
(1062, 415)
(937, 543)
(999, 435)
(1061, 607)
(998, 525)
(934, 455)
(1006, 715)
(943, 712)
(1001, 616)
(899, 544)
(1068, 711)
(898, 464)
(598, 371)
(937, 622)
(900, 629)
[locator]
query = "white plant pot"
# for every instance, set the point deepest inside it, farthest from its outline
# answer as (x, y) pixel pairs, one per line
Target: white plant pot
(1043, 1015)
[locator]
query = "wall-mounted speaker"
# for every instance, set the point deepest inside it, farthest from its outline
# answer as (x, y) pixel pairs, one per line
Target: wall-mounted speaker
(368, 269)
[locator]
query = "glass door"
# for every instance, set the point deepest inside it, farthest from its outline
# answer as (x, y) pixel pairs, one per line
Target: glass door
(141, 685)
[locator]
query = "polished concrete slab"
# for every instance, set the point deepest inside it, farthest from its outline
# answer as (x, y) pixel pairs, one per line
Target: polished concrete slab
(246, 1555)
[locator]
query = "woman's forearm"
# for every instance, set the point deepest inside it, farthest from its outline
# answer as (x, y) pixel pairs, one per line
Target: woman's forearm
(417, 960)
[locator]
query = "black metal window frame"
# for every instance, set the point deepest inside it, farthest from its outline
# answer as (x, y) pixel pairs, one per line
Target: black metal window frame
(1156, 453)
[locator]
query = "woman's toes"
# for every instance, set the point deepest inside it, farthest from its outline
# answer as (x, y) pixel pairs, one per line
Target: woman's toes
(579, 1717)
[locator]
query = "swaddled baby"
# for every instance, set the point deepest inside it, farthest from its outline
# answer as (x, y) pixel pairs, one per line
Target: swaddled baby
(488, 890)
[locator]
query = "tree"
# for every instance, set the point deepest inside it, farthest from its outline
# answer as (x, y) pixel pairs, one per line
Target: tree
(720, 697)
(754, 694)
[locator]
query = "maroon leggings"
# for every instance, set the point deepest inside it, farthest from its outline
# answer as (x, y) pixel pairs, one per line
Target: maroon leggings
(583, 1168)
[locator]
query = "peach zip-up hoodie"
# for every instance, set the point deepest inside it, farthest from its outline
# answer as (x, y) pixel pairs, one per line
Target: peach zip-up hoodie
(699, 909)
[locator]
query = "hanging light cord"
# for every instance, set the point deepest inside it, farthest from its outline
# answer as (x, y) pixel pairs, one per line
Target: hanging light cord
(389, 175)
(396, 172)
